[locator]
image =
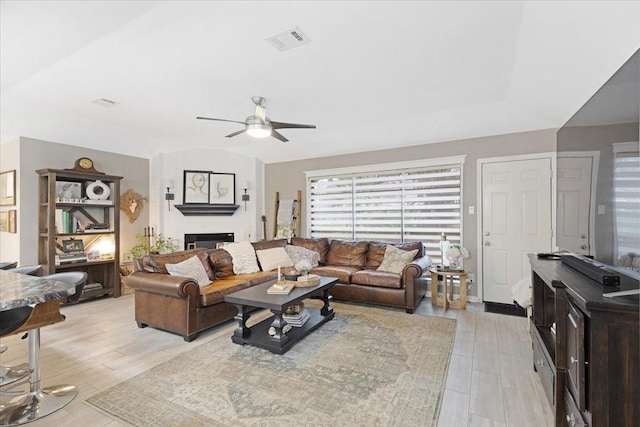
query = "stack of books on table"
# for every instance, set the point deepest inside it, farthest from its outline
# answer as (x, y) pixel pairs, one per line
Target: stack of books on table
(298, 319)
(281, 288)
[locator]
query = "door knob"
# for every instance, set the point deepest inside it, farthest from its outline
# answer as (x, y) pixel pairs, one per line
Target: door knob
(583, 247)
(487, 243)
(486, 233)
(583, 236)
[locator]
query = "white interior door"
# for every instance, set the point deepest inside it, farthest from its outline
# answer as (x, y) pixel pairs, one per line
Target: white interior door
(574, 204)
(516, 220)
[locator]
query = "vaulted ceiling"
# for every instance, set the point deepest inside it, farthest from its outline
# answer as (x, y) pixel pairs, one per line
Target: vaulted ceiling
(375, 74)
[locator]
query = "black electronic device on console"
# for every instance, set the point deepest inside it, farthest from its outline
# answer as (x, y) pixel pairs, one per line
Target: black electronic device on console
(592, 269)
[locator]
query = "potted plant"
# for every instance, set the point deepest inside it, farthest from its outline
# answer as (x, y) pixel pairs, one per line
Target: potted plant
(157, 244)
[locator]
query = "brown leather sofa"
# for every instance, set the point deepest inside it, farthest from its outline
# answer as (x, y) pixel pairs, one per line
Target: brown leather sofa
(355, 265)
(177, 304)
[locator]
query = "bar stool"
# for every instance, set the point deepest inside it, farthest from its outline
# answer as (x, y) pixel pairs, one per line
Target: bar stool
(7, 265)
(11, 320)
(39, 402)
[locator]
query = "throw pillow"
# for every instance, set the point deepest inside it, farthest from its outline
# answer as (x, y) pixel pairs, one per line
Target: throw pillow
(191, 267)
(244, 257)
(396, 259)
(300, 253)
(270, 259)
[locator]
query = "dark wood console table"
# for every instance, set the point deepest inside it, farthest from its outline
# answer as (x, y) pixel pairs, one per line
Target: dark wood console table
(586, 347)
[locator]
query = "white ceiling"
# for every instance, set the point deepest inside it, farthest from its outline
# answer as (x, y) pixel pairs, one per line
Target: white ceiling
(376, 74)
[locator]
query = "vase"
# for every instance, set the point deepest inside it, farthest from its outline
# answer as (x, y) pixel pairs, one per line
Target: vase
(454, 263)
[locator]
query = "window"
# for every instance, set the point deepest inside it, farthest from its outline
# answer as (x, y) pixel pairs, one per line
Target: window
(626, 178)
(392, 204)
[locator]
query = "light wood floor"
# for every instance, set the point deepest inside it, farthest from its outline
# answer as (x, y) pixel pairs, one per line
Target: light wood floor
(490, 380)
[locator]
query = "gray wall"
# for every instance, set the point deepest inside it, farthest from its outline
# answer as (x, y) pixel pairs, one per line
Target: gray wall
(288, 177)
(35, 154)
(600, 139)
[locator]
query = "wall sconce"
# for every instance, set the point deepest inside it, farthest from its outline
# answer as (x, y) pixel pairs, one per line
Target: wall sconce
(245, 196)
(169, 196)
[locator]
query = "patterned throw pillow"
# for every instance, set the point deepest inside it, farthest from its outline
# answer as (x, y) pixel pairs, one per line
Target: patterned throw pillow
(300, 253)
(270, 259)
(244, 257)
(396, 259)
(191, 267)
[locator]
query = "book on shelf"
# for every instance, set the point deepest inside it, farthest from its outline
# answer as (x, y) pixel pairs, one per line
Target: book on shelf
(91, 287)
(280, 288)
(297, 320)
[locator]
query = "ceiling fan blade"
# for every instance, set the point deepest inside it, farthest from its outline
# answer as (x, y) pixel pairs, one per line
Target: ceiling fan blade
(278, 135)
(231, 135)
(220, 120)
(280, 125)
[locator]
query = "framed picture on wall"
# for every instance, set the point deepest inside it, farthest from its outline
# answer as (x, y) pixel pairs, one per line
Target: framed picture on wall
(196, 187)
(11, 221)
(8, 188)
(222, 188)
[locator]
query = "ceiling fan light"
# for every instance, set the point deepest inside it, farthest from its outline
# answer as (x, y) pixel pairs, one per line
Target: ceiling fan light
(258, 130)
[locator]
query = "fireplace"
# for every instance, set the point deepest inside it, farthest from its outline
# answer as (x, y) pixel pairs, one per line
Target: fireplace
(206, 240)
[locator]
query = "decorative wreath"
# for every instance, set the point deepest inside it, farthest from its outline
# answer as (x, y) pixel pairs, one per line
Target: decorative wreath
(131, 203)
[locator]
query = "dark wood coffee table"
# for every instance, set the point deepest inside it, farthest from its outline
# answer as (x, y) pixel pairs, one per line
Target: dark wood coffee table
(258, 334)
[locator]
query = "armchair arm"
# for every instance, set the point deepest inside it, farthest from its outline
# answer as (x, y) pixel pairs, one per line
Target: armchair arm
(414, 289)
(166, 284)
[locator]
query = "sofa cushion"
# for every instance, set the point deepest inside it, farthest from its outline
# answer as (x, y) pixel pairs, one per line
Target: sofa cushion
(375, 254)
(342, 252)
(244, 257)
(191, 267)
(378, 279)
(214, 293)
(270, 259)
(268, 244)
(320, 245)
(300, 253)
(343, 273)
(221, 262)
(396, 259)
(155, 263)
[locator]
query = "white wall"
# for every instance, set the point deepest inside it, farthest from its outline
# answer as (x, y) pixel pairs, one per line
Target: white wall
(168, 169)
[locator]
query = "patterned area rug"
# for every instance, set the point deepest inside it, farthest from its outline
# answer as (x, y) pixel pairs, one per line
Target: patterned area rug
(367, 366)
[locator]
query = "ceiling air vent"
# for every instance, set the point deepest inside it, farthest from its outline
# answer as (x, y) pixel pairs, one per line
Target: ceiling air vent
(288, 39)
(104, 102)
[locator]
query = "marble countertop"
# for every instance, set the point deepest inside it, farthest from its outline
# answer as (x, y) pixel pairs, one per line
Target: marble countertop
(18, 290)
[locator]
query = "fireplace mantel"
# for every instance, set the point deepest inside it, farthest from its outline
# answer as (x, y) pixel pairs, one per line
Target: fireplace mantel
(206, 209)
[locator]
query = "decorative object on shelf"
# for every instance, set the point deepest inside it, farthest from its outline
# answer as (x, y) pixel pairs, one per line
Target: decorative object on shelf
(98, 190)
(222, 188)
(455, 254)
(8, 188)
(68, 191)
(85, 164)
(149, 243)
(196, 187)
(302, 267)
(131, 203)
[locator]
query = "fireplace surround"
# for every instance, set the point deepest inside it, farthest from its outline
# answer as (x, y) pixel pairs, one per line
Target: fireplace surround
(206, 240)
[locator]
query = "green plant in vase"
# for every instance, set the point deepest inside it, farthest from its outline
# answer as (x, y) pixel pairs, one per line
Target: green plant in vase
(147, 245)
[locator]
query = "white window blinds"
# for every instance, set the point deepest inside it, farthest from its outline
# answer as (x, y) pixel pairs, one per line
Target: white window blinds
(627, 198)
(403, 205)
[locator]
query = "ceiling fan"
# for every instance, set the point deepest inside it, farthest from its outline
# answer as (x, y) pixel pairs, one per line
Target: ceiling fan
(259, 125)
